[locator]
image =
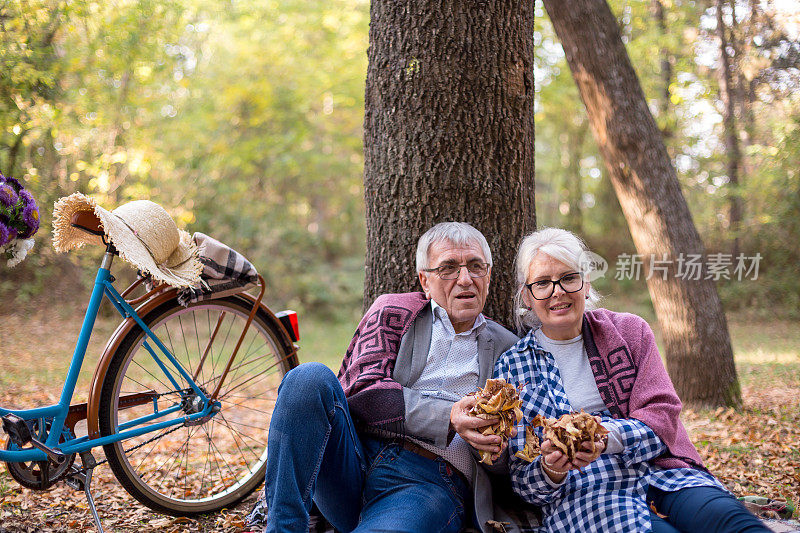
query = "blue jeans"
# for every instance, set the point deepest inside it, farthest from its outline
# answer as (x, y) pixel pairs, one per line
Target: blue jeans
(701, 510)
(359, 484)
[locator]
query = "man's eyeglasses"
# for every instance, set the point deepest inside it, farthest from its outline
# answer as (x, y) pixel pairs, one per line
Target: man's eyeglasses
(476, 269)
(544, 289)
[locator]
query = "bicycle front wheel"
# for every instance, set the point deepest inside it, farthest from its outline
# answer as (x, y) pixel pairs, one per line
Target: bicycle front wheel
(186, 470)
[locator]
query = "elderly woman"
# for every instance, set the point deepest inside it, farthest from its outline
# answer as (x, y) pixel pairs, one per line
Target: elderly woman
(647, 475)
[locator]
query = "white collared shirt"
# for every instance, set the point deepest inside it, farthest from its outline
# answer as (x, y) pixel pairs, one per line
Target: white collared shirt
(451, 372)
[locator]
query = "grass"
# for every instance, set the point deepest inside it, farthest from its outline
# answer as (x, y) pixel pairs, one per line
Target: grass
(325, 340)
(37, 348)
(766, 352)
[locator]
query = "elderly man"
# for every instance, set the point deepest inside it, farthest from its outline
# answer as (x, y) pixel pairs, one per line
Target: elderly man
(388, 445)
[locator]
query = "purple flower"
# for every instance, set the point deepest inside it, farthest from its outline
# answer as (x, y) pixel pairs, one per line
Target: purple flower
(30, 215)
(4, 234)
(8, 196)
(13, 181)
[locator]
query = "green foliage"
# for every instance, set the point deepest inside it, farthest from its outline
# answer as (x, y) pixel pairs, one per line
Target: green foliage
(244, 120)
(691, 121)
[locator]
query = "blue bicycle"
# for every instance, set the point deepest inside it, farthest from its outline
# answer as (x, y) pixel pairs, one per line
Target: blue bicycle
(180, 400)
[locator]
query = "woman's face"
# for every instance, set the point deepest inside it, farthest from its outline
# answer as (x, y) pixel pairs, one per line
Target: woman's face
(562, 313)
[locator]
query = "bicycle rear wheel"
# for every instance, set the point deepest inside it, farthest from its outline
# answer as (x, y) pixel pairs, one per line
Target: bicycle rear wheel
(186, 470)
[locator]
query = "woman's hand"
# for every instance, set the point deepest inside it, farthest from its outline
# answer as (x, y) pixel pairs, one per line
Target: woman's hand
(556, 464)
(469, 426)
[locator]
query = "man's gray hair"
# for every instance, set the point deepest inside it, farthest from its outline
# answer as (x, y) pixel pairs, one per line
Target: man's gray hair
(561, 245)
(456, 233)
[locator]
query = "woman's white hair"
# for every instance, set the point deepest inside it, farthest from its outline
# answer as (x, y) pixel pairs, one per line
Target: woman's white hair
(457, 233)
(561, 245)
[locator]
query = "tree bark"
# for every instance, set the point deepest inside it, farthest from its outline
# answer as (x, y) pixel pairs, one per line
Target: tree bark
(695, 332)
(448, 134)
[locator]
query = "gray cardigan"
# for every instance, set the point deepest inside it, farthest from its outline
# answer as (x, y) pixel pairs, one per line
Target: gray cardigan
(429, 418)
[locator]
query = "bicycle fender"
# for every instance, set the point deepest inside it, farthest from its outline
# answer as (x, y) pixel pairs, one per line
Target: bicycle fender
(93, 403)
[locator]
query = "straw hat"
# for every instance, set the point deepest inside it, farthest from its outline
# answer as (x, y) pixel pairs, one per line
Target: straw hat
(142, 232)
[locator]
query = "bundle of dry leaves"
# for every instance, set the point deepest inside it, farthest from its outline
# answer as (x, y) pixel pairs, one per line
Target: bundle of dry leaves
(566, 433)
(497, 399)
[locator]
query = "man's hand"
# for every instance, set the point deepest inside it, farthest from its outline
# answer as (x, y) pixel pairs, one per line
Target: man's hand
(469, 427)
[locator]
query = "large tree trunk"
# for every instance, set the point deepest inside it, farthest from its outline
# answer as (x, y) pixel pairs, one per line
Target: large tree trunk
(695, 333)
(448, 134)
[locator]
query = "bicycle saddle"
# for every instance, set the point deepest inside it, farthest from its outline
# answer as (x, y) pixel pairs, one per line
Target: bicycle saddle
(87, 221)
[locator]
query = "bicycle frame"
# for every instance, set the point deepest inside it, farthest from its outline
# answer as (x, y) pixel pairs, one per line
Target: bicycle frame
(103, 287)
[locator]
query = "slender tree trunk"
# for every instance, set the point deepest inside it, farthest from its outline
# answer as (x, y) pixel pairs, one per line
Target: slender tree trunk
(574, 151)
(695, 333)
(13, 154)
(664, 102)
(448, 134)
(733, 154)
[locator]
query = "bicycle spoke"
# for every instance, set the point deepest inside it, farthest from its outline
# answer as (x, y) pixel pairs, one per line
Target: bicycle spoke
(244, 359)
(273, 365)
(246, 425)
(137, 363)
(199, 350)
(185, 347)
(212, 455)
(176, 455)
(211, 349)
(161, 433)
(228, 466)
(238, 434)
(169, 338)
(243, 404)
(233, 378)
(261, 377)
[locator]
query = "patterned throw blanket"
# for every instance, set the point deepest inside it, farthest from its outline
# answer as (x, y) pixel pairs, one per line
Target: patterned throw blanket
(225, 271)
(633, 382)
(373, 396)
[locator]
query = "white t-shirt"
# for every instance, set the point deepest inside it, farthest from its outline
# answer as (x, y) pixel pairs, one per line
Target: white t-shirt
(579, 383)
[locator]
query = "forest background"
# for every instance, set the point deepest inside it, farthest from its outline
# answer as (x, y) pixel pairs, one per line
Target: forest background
(244, 119)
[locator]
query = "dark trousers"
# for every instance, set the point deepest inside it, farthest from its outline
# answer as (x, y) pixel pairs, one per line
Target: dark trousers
(701, 510)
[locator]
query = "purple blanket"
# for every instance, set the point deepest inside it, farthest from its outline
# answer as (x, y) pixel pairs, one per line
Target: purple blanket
(366, 373)
(633, 382)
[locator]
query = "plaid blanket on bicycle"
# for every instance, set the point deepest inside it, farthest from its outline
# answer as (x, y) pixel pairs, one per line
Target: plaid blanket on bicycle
(225, 271)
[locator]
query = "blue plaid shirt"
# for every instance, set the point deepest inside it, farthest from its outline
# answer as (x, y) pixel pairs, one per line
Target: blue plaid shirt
(610, 493)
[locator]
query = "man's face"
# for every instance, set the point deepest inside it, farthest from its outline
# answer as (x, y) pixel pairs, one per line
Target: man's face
(464, 297)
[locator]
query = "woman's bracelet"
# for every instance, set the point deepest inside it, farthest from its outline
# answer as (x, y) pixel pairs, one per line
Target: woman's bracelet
(549, 470)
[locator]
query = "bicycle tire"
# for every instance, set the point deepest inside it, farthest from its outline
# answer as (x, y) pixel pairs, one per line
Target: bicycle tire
(198, 469)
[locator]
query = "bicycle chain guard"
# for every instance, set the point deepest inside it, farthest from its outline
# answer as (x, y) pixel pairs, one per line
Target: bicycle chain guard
(39, 475)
